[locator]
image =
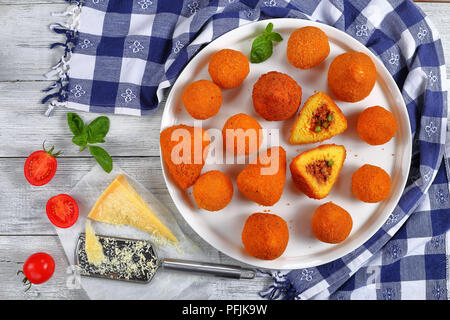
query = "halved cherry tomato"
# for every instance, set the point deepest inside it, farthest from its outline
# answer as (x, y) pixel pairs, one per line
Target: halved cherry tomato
(38, 268)
(62, 210)
(40, 166)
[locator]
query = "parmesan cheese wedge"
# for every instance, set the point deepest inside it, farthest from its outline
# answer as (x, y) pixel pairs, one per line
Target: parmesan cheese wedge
(120, 204)
(92, 246)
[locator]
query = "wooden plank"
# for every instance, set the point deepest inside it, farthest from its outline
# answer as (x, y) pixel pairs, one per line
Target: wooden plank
(25, 204)
(30, 2)
(14, 250)
(23, 126)
(26, 40)
(439, 15)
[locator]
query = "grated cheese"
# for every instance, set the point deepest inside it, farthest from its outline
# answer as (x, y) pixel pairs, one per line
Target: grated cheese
(124, 259)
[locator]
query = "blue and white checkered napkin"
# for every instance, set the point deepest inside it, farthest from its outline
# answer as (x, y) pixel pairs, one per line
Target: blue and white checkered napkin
(121, 54)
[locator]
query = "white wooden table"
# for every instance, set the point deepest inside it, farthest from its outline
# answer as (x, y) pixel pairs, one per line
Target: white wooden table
(133, 142)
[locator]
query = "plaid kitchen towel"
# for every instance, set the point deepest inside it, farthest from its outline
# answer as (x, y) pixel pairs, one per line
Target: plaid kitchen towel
(121, 54)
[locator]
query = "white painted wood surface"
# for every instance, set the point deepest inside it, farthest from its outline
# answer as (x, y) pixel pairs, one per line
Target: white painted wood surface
(133, 142)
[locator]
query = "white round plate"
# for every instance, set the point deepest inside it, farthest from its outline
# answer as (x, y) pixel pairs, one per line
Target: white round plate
(223, 229)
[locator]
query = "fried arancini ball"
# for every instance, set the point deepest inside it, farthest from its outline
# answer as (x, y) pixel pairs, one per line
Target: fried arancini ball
(331, 223)
(376, 125)
(228, 68)
(307, 47)
(245, 141)
(263, 181)
(213, 191)
(276, 96)
(174, 142)
(202, 99)
(265, 236)
(371, 184)
(352, 76)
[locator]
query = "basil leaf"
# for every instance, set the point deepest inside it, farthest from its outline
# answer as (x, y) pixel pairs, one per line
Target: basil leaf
(92, 139)
(81, 139)
(102, 157)
(98, 129)
(95, 132)
(275, 37)
(75, 123)
(261, 49)
(269, 27)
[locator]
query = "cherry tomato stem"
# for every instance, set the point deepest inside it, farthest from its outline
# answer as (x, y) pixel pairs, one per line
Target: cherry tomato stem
(25, 281)
(50, 151)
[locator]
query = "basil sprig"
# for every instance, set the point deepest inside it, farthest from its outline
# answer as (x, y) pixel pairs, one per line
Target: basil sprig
(262, 46)
(86, 135)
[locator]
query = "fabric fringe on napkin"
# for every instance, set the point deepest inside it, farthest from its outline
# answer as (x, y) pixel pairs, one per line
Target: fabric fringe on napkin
(57, 95)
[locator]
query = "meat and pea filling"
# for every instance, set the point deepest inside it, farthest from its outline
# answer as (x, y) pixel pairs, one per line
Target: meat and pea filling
(321, 119)
(320, 169)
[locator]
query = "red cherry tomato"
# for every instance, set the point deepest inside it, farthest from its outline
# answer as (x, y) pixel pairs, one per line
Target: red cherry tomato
(38, 268)
(40, 166)
(62, 210)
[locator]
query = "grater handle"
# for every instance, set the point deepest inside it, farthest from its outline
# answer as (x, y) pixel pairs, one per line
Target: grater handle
(220, 270)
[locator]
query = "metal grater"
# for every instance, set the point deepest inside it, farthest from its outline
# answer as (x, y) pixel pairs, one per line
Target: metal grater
(120, 253)
(111, 247)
